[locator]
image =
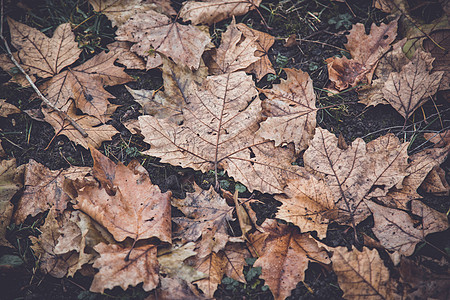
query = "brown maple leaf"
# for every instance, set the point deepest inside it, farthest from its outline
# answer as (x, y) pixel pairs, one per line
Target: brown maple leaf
(126, 57)
(212, 11)
(290, 108)
(441, 57)
(84, 84)
(408, 89)
(152, 31)
(119, 266)
(435, 182)
(284, 254)
(131, 207)
(40, 55)
(175, 289)
(220, 120)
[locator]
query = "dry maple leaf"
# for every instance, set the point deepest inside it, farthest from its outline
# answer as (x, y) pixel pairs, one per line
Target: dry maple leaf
(206, 216)
(127, 58)
(171, 289)
(290, 108)
(119, 11)
(218, 132)
(7, 109)
(123, 267)
(362, 275)
(9, 67)
(44, 190)
(408, 89)
(397, 231)
(284, 254)
(84, 84)
(366, 51)
(360, 171)
(152, 31)
(441, 57)
(97, 131)
(132, 208)
(212, 11)
(40, 55)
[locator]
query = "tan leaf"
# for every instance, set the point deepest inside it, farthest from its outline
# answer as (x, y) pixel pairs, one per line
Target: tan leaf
(397, 231)
(84, 84)
(40, 55)
(284, 256)
(54, 264)
(137, 209)
(119, 11)
(9, 67)
(408, 89)
(10, 182)
(124, 267)
(7, 109)
(127, 58)
(309, 204)
(97, 131)
(359, 171)
(440, 139)
(172, 289)
(290, 108)
(362, 275)
(153, 31)
(213, 11)
(345, 73)
(236, 51)
(44, 190)
(206, 216)
(218, 132)
(263, 43)
(436, 183)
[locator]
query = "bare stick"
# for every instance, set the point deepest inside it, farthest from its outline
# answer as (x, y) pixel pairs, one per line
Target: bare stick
(38, 92)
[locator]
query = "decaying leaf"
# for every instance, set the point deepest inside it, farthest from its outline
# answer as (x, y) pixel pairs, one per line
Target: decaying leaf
(441, 57)
(123, 267)
(152, 31)
(284, 255)
(213, 11)
(290, 108)
(84, 84)
(40, 55)
(397, 231)
(127, 58)
(436, 183)
(9, 67)
(410, 88)
(137, 209)
(362, 275)
(7, 109)
(44, 190)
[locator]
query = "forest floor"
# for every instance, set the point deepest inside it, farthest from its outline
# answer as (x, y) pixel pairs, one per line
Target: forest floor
(319, 24)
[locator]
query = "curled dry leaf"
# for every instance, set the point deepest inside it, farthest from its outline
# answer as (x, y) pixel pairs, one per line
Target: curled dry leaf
(84, 84)
(397, 231)
(213, 11)
(436, 183)
(123, 267)
(134, 208)
(152, 31)
(127, 58)
(44, 190)
(97, 131)
(290, 108)
(408, 89)
(119, 11)
(218, 132)
(284, 254)
(40, 55)
(207, 216)
(7, 109)
(362, 275)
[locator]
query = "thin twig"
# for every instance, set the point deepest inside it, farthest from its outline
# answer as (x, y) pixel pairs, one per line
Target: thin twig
(38, 92)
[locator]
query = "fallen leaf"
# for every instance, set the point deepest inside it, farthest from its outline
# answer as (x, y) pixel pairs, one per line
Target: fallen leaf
(397, 231)
(408, 89)
(16, 76)
(218, 132)
(435, 182)
(206, 216)
(40, 55)
(362, 275)
(7, 109)
(441, 57)
(97, 131)
(171, 289)
(119, 11)
(213, 11)
(127, 58)
(290, 108)
(123, 267)
(152, 31)
(137, 209)
(84, 84)
(439, 139)
(44, 190)
(284, 256)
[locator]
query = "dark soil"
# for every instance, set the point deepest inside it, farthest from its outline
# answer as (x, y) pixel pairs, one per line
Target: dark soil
(25, 138)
